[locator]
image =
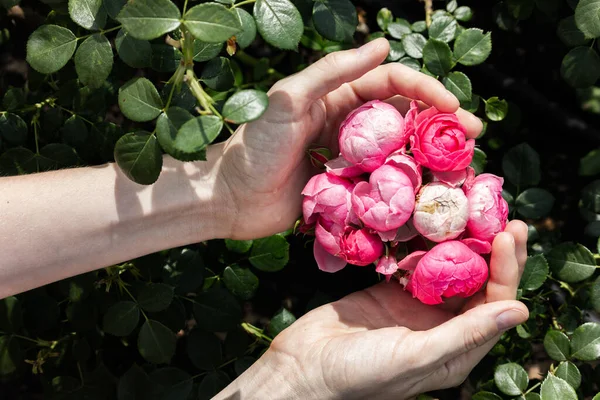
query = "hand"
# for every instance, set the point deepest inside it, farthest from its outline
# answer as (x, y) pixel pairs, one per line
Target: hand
(381, 343)
(265, 164)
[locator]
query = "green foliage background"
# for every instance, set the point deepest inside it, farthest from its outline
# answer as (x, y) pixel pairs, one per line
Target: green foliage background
(110, 80)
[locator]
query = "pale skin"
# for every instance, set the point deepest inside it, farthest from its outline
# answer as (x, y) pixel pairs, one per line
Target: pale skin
(377, 343)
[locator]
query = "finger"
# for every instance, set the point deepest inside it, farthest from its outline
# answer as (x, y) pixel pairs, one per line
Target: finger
(519, 231)
(396, 79)
(472, 124)
(504, 269)
(471, 330)
(335, 69)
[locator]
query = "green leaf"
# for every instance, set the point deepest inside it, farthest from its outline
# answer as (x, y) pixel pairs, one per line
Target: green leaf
(555, 388)
(171, 384)
(245, 106)
(240, 281)
(134, 52)
(463, 14)
(571, 262)
(557, 345)
(595, 295)
(443, 29)
(156, 342)
(384, 17)
(212, 384)
(411, 63)
(57, 155)
(18, 161)
(535, 273)
(581, 67)
(569, 33)
(114, 7)
(134, 384)
(218, 75)
(511, 379)
(479, 161)
(413, 45)
(204, 349)
(335, 19)
(589, 165)
(154, 297)
(204, 51)
(238, 246)
(459, 85)
(139, 100)
(521, 166)
(451, 6)
(587, 17)
(472, 47)
(396, 51)
(94, 61)
(437, 57)
(570, 373)
(211, 22)
(167, 128)
(585, 342)
(13, 99)
(149, 19)
(486, 396)
(165, 58)
(248, 33)
(270, 254)
(399, 28)
(121, 318)
(88, 14)
(419, 27)
(11, 318)
(217, 310)
(496, 109)
(279, 23)
(194, 136)
(139, 157)
(50, 47)
(280, 321)
(13, 129)
(535, 203)
(10, 356)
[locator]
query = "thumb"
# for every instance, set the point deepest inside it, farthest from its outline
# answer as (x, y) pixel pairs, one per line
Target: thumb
(337, 68)
(474, 329)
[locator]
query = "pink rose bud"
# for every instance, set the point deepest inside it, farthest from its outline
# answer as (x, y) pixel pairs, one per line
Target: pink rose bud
(370, 133)
(360, 247)
(408, 165)
(449, 269)
(439, 141)
(441, 212)
(327, 246)
(342, 168)
(387, 265)
(488, 211)
(387, 201)
(327, 195)
(319, 156)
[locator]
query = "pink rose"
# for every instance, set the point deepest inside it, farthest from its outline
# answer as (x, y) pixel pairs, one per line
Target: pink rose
(370, 133)
(387, 201)
(449, 269)
(408, 165)
(441, 212)
(327, 195)
(335, 246)
(488, 211)
(439, 141)
(387, 265)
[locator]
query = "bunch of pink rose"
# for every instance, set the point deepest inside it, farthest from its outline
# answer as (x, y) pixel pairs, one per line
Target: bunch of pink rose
(401, 195)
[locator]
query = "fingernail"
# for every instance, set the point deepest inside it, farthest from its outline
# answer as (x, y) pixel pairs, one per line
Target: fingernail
(509, 319)
(369, 47)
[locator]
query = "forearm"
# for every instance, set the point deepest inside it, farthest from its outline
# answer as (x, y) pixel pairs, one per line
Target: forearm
(63, 223)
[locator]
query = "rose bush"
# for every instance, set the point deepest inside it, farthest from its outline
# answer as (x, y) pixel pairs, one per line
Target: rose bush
(184, 322)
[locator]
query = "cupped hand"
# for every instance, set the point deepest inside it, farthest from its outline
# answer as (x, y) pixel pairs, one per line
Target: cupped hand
(265, 165)
(381, 343)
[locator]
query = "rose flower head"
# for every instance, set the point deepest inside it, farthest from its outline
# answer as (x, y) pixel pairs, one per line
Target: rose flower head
(449, 269)
(327, 195)
(370, 133)
(488, 211)
(441, 212)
